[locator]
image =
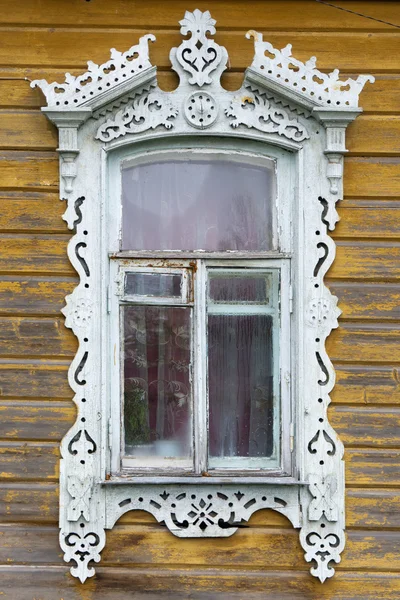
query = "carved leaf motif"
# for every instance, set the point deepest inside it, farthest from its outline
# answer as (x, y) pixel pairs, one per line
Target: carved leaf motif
(199, 56)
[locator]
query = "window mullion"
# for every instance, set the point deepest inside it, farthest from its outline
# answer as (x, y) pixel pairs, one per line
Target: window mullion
(200, 369)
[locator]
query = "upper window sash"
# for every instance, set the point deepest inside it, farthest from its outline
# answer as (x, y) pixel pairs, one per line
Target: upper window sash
(196, 202)
(280, 161)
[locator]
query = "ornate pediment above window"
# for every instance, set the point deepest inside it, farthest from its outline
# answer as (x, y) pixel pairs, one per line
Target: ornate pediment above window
(300, 115)
(276, 90)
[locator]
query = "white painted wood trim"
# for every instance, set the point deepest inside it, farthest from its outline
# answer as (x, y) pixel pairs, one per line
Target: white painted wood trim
(298, 122)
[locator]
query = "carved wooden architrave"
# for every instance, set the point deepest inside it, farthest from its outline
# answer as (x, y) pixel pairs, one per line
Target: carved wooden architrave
(283, 102)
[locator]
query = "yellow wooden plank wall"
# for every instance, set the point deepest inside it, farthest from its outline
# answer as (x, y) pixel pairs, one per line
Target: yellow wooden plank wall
(45, 38)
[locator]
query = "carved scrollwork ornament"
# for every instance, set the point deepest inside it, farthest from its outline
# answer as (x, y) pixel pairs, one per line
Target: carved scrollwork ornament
(323, 546)
(285, 104)
(82, 545)
(199, 55)
(147, 111)
(99, 79)
(211, 511)
(82, 445)
(255, 110)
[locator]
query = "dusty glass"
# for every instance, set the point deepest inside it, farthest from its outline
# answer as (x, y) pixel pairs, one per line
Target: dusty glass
(157, 382)
(243, 368)
(165, 285)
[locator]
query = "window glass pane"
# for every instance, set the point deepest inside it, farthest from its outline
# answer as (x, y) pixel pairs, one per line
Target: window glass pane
(243, 368)
(153, 284)
(240, 382)
(197, 205)
(239, 287)
(157, 382)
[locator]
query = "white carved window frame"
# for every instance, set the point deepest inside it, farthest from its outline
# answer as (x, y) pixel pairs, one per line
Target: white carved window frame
(283, 104)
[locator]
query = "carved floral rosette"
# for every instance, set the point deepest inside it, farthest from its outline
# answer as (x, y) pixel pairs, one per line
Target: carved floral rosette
(119, 103)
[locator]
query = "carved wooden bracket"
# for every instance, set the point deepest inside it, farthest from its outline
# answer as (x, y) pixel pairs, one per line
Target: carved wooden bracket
(283, 103)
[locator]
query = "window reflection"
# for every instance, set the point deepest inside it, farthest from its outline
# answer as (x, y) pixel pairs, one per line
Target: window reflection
(240, 367)
(157, 386)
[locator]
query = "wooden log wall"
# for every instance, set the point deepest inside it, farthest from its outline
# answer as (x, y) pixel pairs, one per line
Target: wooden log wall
(45, 38)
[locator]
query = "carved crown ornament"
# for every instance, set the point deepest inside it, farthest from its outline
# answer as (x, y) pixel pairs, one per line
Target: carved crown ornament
(283, 102)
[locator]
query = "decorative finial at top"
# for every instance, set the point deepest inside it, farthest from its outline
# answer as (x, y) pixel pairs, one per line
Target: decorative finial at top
(304, 79)
(199, 55)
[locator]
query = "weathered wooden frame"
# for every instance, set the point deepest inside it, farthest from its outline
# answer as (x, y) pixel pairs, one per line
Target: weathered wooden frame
(283, 103)
(199, 464)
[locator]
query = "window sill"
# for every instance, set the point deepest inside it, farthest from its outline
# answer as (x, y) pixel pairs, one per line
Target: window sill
(178, 254)
(210, 480)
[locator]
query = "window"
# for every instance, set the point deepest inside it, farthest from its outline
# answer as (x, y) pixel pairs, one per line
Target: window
(233, 313)
(201, 312)
(201, 223)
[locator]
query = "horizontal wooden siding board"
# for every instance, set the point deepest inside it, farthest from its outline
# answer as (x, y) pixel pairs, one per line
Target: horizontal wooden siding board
(248, 548)
(353, 51)
(29, 461)
(35, 420)
(38, 253)
(34, 295)
(233, 14)
(366, 260)
(32, 212)
(357, 300)
(29, 170)
(367, 343)
(197, 583)
(371, 177)
(370, 427)
(368, 220)
(39, 379)
(30, 337)
(366, 385)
